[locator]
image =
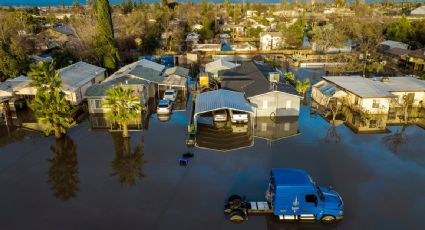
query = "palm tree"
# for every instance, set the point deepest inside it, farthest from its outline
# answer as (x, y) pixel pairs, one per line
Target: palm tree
(127, 164)
(44, 77)
(63, 172)
(290, 77)
(53, 111)
(49, 103)
(123, 106)
(302, 87)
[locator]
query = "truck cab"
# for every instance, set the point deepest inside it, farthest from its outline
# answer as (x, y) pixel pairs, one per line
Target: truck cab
(294, 196)
(291, 195)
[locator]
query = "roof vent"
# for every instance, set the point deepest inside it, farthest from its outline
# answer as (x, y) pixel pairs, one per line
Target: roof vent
(385, 79)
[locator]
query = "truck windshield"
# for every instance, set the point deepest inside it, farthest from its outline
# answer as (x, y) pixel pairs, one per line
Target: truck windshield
(320, 193)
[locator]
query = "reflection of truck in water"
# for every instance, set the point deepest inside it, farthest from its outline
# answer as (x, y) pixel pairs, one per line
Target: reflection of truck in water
(292, 195)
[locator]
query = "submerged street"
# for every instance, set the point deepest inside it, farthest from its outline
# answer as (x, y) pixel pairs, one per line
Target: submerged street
(92, 179)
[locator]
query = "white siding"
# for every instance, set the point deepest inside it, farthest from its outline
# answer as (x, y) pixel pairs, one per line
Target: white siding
(275, 103)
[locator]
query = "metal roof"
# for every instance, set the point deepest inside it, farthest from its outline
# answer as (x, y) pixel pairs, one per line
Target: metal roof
(177, 70)
(404, 84)
(147, 74)
(291, 177)
(8, 87)
(99, 90)
(362, 87)
(221, 99)
(78, 74)
(150, 64)
(218, 65)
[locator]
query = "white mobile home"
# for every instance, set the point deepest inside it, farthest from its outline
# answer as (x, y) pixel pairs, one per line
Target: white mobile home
(78, 77)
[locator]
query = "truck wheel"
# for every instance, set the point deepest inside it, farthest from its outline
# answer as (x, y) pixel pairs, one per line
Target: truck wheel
(327, 219)
(237, 216)
(235, 201)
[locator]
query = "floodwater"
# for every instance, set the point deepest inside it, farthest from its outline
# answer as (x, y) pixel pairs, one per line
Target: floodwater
(93, 179)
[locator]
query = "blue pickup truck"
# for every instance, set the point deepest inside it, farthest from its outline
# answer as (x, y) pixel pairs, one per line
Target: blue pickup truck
(291, 195)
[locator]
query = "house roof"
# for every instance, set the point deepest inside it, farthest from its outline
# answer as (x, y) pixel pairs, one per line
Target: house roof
(147, 74)
(78, 74)
(404, 84)
(273, 34)
(395, 44)
(418, 11)
(221, 99)
(419, 53)
(177, 70)
(99, 90)
(218, 65)
(64, 29)
(398, 51)
(150, 64)
(8, 87)
(252, 79)
(362, 87)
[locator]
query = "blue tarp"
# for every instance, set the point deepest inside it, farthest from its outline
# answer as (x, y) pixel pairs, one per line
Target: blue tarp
(167, 60)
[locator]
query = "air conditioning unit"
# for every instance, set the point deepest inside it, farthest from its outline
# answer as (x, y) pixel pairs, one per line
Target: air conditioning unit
(274, 77)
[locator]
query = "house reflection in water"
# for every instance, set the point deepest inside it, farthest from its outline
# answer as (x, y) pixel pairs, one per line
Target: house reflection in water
(364, 123)
(277, 128)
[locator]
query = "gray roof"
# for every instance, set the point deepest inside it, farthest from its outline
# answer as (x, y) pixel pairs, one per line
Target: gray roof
(177, 70)
(147, 74)
(8, 87)
(78, 74)
(252, 79)
(99, 90)
(362, 87)
(221, 99)
(404, 84)
(64, 29)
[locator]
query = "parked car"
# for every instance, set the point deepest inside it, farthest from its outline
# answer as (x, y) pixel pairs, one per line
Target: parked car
(238, 117)
(220, 115)
(164, 107)
(170, 94)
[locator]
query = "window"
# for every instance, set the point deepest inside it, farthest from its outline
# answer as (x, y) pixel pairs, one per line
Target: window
(311, 198)
(265, 104)
(97, 104)
(372, 124)
(264, 127)
(286, 126)
(375, 104)
(288, 104)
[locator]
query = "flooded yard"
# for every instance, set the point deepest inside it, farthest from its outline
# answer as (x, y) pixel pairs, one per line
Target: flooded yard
(93, 179)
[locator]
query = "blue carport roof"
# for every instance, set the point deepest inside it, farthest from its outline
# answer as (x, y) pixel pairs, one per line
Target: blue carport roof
(221, 99)
(291, 177)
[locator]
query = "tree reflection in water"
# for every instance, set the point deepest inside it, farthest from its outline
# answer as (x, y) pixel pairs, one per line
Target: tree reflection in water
(394, 140)
(63, 173)
(127, 164)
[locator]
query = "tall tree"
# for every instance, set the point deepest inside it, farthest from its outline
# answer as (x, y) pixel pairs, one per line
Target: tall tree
(49, 104)
(123, 106)
(399, 30)
(106, 50)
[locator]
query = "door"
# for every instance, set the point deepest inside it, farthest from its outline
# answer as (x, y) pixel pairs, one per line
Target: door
(310, 206)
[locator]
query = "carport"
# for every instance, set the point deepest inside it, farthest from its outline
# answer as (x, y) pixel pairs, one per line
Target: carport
(219, 100)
